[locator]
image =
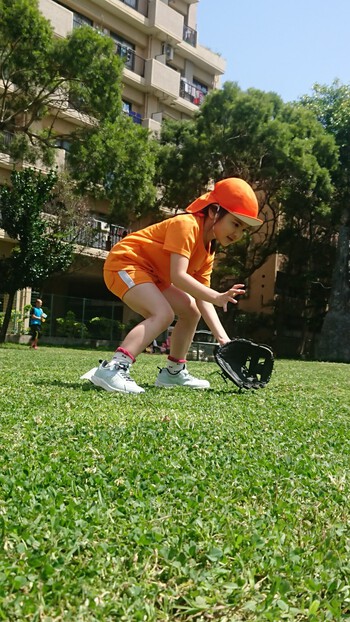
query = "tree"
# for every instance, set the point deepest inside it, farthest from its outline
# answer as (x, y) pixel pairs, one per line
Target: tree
(331, 105)
(281, 149)
(123, 170)
(42, 219)
(43, 77)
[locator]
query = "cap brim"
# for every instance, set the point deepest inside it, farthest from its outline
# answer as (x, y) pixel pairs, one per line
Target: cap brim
(209, 198)
(200, 203)
(248, 220)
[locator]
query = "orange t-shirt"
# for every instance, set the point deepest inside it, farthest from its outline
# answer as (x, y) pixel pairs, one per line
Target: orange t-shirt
(149, 249)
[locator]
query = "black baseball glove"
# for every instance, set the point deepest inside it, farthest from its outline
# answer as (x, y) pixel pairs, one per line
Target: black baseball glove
(247, 364)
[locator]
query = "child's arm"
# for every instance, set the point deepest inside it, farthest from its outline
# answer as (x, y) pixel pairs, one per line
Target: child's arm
(212, 320)
(181, 279)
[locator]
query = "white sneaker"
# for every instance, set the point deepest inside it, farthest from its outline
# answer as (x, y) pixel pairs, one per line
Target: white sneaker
(180, 379)
(115, 377)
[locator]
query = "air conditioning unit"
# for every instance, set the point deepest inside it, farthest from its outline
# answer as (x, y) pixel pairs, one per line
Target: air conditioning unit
(168, 51)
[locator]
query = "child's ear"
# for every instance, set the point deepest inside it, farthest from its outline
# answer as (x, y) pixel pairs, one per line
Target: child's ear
(214, 211)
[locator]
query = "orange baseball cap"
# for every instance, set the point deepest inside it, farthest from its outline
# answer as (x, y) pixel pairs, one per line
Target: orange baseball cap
(235, 196)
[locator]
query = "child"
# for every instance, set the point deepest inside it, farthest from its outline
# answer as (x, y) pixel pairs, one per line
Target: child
(164, 271)
(36, 318)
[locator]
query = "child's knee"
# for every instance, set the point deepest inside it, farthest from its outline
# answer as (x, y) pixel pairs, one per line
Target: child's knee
(191, 311)
(168, 317)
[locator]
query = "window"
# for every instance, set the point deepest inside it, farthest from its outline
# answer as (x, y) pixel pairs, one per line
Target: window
(132, 3)
(81, 20)
(200, 86)
(125, 50)
(61, 143)
(127, 108)
(190, 35)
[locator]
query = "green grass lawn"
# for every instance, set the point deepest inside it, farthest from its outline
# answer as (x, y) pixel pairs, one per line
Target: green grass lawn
(172, 505)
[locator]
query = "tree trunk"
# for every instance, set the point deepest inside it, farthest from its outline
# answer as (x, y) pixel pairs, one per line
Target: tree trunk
(334, 344)
(7, 317)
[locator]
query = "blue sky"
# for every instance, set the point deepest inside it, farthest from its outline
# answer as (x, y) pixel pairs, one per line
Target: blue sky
(283, 46)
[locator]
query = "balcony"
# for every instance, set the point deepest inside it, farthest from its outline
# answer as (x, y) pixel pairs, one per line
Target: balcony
(154, 123)
(191, 93)
(5, 141)
(61, 18)
(100, 235)
(132, 61)
(202, 57)
(164, 80)
(165, 21)
(190, 36)
(135, 116)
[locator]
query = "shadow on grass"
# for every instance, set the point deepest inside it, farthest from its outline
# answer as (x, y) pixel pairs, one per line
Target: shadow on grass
(65, 385)
(149, 388)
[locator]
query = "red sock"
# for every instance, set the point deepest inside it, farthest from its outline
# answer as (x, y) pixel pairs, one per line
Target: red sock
(123, 355)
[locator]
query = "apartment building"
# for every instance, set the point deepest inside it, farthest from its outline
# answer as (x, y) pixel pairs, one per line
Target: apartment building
(167, 74)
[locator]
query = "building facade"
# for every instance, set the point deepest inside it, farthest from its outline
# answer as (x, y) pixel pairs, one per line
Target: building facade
(167, 74)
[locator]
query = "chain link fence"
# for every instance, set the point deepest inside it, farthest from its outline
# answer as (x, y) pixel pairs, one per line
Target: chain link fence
(73, 318)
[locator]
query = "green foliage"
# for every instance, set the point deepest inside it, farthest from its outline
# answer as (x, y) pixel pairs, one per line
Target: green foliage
(331, 106)
(16, 321)
(42, 244)
(290, 159)
(106, 328)
(92, 70)
(27, 46)
(68, 326)
(249, 324)
(116, 507)
(48, 72)
(123, 170)
(178, 173)
(81, 71)
(40, 250)
(281, 149)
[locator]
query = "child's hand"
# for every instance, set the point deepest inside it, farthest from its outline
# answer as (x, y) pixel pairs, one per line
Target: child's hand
(229, 296)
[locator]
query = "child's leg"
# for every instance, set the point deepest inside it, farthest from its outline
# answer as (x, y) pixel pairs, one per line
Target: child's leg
(146, 300)
(186, 310)
(175, 374)
(34, 338)
(149, 302)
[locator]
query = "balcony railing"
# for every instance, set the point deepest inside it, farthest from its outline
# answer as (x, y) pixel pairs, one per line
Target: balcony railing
(93, 236)
(132, 61)
(5, 141)
(190, 36)
(100, 239)
(190, 92)
(81, 20)
(136, 117)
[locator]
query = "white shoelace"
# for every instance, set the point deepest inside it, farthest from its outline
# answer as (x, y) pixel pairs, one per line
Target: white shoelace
(123, 370)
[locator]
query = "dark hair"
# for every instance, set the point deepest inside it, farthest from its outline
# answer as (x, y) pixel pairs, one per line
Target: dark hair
(220, 213)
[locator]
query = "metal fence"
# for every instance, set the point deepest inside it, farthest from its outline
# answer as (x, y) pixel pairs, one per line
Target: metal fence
(70, 317)
(82, 318)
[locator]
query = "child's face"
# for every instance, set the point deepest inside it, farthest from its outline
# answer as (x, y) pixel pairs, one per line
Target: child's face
(229, 229)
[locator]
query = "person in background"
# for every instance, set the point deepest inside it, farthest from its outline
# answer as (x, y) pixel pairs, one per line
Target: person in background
(164, 271)
(36, 318)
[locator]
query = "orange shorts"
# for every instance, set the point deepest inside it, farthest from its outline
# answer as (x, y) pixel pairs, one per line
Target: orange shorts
(120, 282)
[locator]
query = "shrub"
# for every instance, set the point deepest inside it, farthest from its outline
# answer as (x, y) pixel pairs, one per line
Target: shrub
(69, 327)
(105, 328)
